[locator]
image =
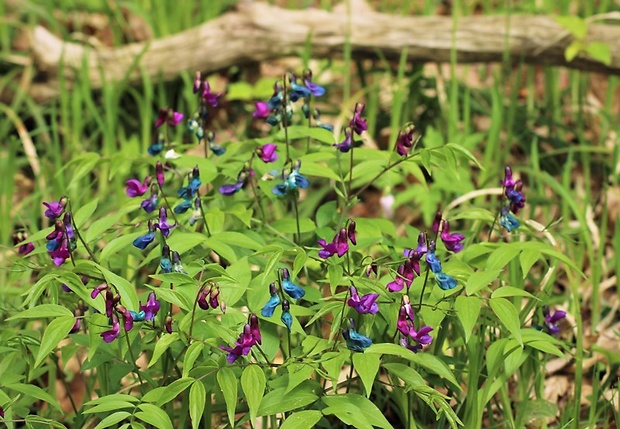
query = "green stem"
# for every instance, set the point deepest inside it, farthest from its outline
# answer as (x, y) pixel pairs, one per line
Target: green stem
(298, 239)
(133, 362)
(172, 213)
(428, 270)
(204, 220)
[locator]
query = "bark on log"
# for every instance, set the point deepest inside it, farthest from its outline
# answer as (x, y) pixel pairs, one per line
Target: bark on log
(257, 32)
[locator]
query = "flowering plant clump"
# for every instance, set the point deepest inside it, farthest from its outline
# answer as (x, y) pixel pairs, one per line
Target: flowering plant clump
(287, 288)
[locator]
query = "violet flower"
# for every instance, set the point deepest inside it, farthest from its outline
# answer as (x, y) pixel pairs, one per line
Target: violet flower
(159, 173)
(345, 145)
(366, 304)
(358, 124)
(182, 207)
(405, 141)
(267, 152)
(55, 208)
(247, 339)
(437, 222)
(150, 204)
(551, 320)
(151, 307)
(168, 116)
(163, 224)
(23, 249)
(209, 97)
(315, 89)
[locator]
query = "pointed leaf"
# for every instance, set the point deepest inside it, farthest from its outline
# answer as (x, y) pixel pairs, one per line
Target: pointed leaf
(57, 330)
(367, 365)
(253, 384)
(508, 315)
(197, 399)
(468, 310)
(228, 385)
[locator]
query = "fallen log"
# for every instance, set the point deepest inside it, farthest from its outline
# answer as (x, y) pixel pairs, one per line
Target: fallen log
(258, 32)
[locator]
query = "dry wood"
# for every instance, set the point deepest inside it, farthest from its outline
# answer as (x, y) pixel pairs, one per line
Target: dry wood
(257, 32)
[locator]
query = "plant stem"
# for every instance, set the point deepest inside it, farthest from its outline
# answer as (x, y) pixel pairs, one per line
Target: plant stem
(174, 216)
(298, 239)
(428, 270)
(133, 361)
(204, 220)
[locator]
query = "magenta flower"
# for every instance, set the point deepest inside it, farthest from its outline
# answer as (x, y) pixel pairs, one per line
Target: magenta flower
(340, 244)
(437, 222)
(248, 338)
(168, 116)
(358, 124)
(163, 224)
(262, 110)
(451, 241)
(404, 141)
(551, 320)
(25, 249)
(364, 305)
(208, 96)
(54, 209)
(267, 152)
(137, 189)
(96, 291)
(404, 275)
(159, 173)
(112, 334)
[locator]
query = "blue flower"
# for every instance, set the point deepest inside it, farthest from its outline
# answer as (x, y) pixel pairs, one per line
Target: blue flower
(355, 341)
(146, 239)
(298, 91)
(217, 149)
(286, 318)
(183, 207)
(273, 302)
(508, 221)
(294, 180)
(445, 281)
(433, 262)
(291, 288)
(138, 317)
(165, 263)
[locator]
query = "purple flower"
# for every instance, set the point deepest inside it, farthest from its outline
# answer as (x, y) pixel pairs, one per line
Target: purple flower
(351, 233)
(508, 181)
(366, 304)
(163, 224)
(419, 251)
(404, 275)
(76, 326)
(267, 152)
(168, 324)
(112, 334)
(212, 294)
(137, 189)
(551, 320)
(516, 198)
(233, 188)
(159, 173)
(150, 204)
(316, 90)
(262, 110)
(248, 338)
(437, 222)
(197, 82)
(339, 245)
(358, 124)
(68, 225)
(25, 249)
(208, 96)
(451, 241)
(405, 141)
(110, 302)
(54, 209)
(96, 291)
(151, 307)
(127, 318)
(345, 145)
(169, 117)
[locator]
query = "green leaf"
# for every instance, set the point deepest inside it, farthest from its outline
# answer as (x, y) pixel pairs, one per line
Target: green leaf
(57, 330)
(599, 51)
(113, 419)
(34, 392)
(572, 50)
(197, 399)
(317, 170)
(154, 415)
(302, 420)
(113, 405)
(83, 213)
(191, 355)
(42, 311)
(367, 365)
(96, 229)
(507, 291)
(501, 256)
(467, 310)
(228, 385)
(289, 226)
(279, 401)
(577, 26)
(425, 360)
(173, 390)
(253, 384)
(208, 170)
(528, 258)
(126, 290)
(297, 374)
(355, 410)
(479, 280)
(410, 376)
(161, 346)
(508, 315)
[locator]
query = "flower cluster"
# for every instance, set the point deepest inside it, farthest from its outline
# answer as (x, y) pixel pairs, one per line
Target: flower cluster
(162, 224)
(404, 142)
(249, 337)
(114, 310)
(189, 192)
(411, 338)
(366, 304)
(197, 123)
(515, 201)
(340, 244)
(61, 241)
(291, 289)
(210, 298)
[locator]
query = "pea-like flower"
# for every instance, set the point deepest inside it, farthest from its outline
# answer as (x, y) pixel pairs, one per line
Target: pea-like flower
(355, 341)
(262, 110)
(150, 204)
(291, 288)
(165, 263)
(274, 301)
(292, 181)
(55, 209)
(286, 317)
(168, 116)
(24, 249)
(143, 241)
(135, 188)
(112, 334)
(358, 124)
(366, 304)
(151, 307)
(313, 88)
(163, 224)
(267, 152)
(551, 320)
(453, 242)
(247, 339)
(208, 96)
(507, 220)
(405, 141)
(157, 147)
(345, 145)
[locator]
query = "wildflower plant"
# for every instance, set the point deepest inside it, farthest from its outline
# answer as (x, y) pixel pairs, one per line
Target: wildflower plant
(281, 289)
